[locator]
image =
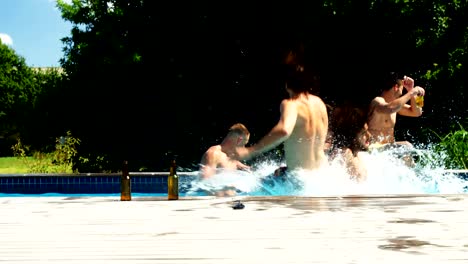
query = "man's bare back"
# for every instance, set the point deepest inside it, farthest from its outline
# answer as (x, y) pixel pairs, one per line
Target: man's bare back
(305, 145)
(303, 122)
(302, 127)
(215, 156)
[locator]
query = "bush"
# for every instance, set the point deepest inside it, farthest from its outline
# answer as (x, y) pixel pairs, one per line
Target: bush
(455, 146)
(58, 161)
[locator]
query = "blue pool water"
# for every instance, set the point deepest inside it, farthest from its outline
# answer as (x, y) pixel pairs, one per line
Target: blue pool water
(386, 175)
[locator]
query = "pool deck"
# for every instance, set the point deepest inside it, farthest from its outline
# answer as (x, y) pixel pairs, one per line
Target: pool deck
(371, 229)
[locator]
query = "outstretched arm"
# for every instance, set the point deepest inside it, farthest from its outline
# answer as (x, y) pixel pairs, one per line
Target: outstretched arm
(380, 105)
(242, 166)
(278, 134)
(398, 105)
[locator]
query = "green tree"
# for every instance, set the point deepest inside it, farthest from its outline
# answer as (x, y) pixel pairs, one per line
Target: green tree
(17, 93)
(120, 65)
(30, 98)
(127, 60)
(104, 76)
(50, 109)
(424, 39)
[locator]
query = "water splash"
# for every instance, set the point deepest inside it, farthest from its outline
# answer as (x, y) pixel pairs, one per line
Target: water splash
(387, 174)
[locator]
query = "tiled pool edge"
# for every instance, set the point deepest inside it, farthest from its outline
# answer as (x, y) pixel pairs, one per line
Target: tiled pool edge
(88, 183)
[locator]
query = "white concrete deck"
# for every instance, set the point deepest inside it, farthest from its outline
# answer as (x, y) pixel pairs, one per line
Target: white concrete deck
(392, 229)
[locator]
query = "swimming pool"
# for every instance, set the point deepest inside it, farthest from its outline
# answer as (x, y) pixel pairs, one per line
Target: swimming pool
(81, 184)
(154, 184)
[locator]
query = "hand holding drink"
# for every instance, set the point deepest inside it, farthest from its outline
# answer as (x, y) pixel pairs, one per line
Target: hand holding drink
(419, 93)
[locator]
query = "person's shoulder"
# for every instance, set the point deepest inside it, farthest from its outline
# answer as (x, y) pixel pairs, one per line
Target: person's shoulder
(378, 98)
(315, 100)
(213, 150)
(347, 153)
(211, 154)
(287, 102)
(317, 103)
(377, 101)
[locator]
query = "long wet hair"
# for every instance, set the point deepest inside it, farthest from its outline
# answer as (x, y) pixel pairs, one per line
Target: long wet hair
(299, 77)
(346, 123)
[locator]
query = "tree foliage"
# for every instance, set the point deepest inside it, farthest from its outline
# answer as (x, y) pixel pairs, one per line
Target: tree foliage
(147, 80)
(27, 101)
(17, 91)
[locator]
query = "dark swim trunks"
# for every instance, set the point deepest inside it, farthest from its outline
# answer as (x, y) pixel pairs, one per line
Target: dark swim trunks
(279, 176)
(281, 171)
(282, 182)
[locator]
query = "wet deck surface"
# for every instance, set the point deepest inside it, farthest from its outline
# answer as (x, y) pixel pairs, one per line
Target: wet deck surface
(392, 229)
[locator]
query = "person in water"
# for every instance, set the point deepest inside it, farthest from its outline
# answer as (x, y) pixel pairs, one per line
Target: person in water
(350, 139)
(302, 125)
(223, 154)
(383, 109)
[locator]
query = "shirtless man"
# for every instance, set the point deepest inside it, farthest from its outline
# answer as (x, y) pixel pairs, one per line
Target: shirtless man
(302, 126)
(384, 108)
(222, 155)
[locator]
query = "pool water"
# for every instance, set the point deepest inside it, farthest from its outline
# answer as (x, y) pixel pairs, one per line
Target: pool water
(386, 175)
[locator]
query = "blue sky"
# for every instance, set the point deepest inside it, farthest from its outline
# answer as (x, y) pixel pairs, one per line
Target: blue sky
(33, 28)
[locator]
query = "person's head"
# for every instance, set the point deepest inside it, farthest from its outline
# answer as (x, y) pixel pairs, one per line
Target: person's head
(294, 54)
(298, 77)
(239, 133)
(349, 127)
(393, 82)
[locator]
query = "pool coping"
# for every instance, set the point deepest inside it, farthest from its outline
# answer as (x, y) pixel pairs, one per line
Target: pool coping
(241, 198)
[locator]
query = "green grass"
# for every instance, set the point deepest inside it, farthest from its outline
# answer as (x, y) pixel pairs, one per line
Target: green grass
(13, 165)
